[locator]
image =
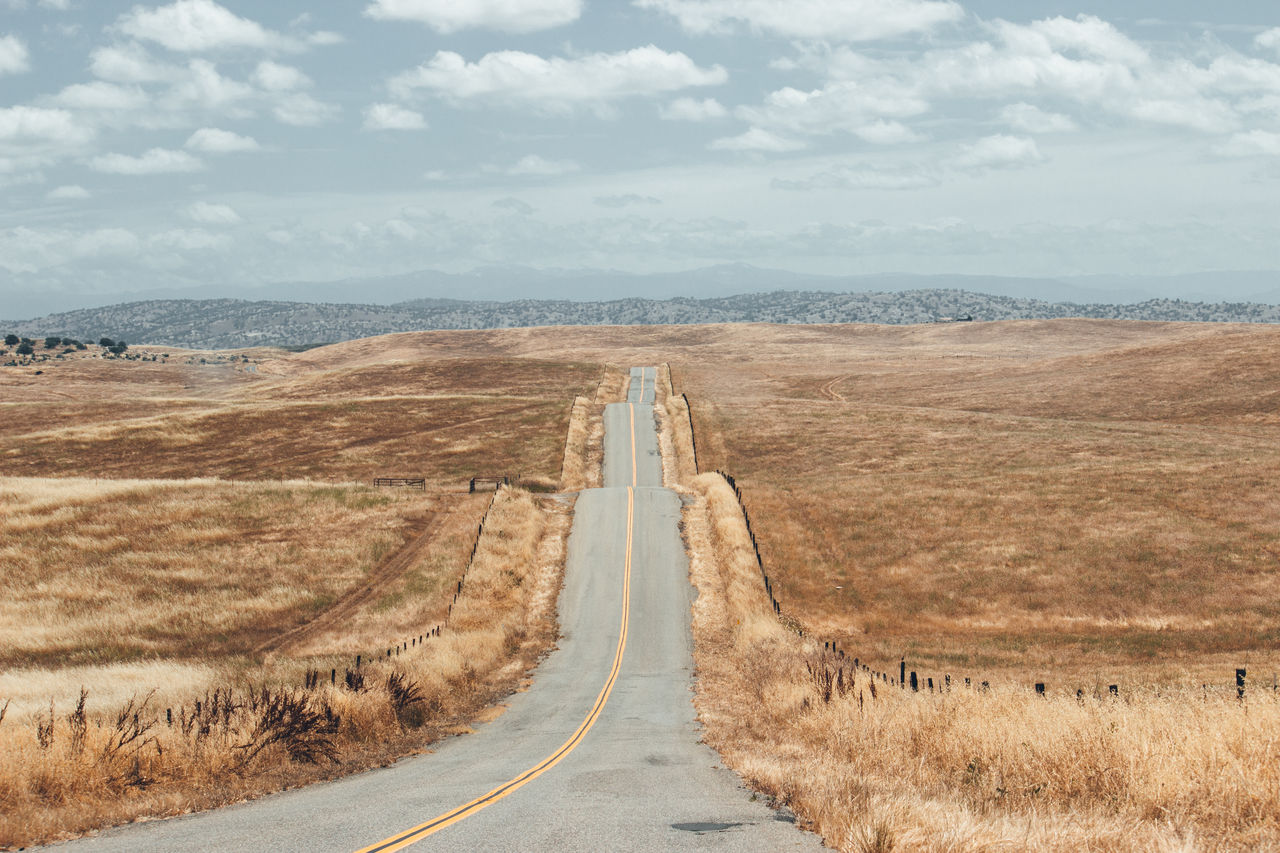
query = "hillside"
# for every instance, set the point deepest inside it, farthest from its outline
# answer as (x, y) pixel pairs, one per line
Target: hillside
(226, 323)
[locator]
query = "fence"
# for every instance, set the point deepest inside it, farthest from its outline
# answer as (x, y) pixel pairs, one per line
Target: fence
(496, 482)
(911, 679)
(420, 640)
(405, 482)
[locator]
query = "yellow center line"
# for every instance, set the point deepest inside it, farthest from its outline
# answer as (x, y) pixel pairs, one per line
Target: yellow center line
(635, 479)
(422, 830)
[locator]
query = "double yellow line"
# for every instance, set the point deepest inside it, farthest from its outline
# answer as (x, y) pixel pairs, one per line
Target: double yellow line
(422, 830)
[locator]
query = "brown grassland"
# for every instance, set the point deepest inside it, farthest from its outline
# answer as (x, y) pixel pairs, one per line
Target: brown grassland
(192, 549)
(1076, 503)
(1079, 503)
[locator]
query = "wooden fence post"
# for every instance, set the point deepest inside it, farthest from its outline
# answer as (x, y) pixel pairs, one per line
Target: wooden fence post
(1240, 674)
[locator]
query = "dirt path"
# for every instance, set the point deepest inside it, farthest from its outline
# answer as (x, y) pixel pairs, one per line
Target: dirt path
(386, 573)
(829, 390)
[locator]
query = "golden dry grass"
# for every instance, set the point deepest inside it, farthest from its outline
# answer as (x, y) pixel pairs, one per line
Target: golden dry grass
(229, 548)
(101, 572)
(874, 767)
(1078, 503)
(67, 772)
(443, 419)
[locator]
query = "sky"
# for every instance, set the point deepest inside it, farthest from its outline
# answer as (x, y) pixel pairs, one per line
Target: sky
(204, 144)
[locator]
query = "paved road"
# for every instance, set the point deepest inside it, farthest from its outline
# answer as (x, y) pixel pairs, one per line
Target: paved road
(636, 779)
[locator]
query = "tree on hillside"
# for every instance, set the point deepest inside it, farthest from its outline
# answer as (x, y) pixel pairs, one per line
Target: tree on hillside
(106, 342)
(53, 341)
(25, 348)
(12, 340)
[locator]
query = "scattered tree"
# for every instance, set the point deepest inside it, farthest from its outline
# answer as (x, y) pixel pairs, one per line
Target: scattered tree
(53, 341)
(11, 340)
(106, 342)
(25, 348)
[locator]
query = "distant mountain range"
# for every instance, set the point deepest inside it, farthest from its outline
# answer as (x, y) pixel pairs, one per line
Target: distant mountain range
(508, 283)
(229, 323)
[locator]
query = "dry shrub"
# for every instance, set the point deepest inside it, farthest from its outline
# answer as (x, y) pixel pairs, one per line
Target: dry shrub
(875, 767)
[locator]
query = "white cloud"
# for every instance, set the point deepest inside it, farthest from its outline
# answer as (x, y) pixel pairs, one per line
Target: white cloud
(201, 86)
(756, 139)
(211, 214)
(392, 117)
(101, 95)
(625, 200)
(998, 152)
(449, 16)
(399, 229)
(1254, 143)
(58, 5)
(39, 124)
(275, 77)
(557, 84)
(154, 162)
(514, 205)
(532, 164)
(105, 242)
(1031, 119)
(129, 63)
(302, 110)
(213, 140)
(188, 240)
(1084, 61)
(869, 110)
(14, 58)
(1269, 39)
(862, 177)
(882, 132)
(692, 109)
(196, 26)
(68, 192)
(824, 20)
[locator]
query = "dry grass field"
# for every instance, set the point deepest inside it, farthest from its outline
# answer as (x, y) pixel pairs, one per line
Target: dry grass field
(1075, 503)
(872, 767)
(1078, 503)
(193, 546)
(304, 416)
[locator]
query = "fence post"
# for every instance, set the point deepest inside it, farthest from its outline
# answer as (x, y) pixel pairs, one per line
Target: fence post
(902, 673)
(1039, 688)
(1240, 674)
(333, 676)
(1113, 689)
(915, 682)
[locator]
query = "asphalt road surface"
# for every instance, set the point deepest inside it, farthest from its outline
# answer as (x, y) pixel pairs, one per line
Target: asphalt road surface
(601, 753)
